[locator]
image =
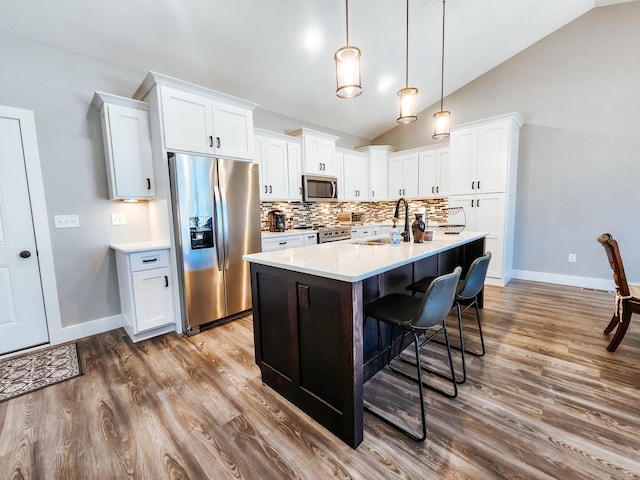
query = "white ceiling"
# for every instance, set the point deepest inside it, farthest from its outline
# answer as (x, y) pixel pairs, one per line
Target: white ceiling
(254, 49)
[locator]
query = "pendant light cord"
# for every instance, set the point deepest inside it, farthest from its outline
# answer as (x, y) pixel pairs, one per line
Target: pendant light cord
(442, 65)
(406, 63)
(347, 16)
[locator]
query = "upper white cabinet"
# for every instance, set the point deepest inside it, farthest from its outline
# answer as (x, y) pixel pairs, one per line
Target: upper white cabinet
(196, 119)
(271, 155)
(294, 155)
(127, 147)
(201, 124)
(378, 159)
(434, 173)
(356, 177)
(482, 154)
(318, 152)
(280, 162)
(403, 176)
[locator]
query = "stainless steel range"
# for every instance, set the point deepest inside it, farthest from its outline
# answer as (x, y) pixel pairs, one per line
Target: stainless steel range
(333, 234)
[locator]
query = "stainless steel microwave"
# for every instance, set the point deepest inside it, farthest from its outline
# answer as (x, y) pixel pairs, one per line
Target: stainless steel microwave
(318, 188)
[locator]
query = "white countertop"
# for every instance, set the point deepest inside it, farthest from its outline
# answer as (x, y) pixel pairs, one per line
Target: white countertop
(139, 247)
(349, 262)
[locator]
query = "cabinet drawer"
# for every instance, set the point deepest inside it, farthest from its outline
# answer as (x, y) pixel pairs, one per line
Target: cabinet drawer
(148, 260)
(269, 244)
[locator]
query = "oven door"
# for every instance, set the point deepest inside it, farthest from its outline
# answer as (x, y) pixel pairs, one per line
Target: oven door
(316, 188)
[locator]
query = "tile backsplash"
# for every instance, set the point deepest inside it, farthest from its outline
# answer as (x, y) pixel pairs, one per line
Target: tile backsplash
(325, 213)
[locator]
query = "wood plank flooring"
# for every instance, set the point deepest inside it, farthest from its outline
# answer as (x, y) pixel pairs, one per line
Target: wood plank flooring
(547, 401)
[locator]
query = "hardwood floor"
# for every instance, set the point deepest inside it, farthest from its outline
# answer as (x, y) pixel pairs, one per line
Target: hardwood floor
(546, 401)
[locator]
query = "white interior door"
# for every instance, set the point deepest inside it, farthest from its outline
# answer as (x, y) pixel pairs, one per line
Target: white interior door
(22, 315)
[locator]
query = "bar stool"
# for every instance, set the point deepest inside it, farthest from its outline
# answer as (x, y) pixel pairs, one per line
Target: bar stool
(414, 316)
(466, 294)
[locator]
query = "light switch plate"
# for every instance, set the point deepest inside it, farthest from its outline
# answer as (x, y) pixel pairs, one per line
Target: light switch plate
(118, 219)
(66, 221)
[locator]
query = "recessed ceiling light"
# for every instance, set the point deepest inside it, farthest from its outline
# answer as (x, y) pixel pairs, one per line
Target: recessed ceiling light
(312, 39)
(385, 84)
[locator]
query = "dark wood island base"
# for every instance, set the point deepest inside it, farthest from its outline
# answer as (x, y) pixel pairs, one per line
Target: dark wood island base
(314, 346)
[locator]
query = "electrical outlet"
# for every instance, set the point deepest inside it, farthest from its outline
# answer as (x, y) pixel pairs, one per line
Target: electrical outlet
(66, 221)
(572, 258)
(432, 209)
(118, 219)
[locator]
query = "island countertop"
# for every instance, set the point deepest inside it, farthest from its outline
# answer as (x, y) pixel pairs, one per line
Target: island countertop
(350, 262)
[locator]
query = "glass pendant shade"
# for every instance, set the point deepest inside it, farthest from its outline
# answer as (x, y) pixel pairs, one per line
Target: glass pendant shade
(348, 78)
(441, 124)
(408, 105)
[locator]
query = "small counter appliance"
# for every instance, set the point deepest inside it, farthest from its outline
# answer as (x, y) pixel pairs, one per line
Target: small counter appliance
(277, 221)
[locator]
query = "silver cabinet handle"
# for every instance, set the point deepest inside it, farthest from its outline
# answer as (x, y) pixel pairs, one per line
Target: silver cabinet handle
(166, 281)
(25, 254)
(210, 141)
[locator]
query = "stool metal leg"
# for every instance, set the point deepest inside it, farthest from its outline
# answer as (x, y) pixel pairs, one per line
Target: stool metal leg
(420, 389)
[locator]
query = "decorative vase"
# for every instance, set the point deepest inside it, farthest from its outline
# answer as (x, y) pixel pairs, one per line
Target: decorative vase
(418, 228)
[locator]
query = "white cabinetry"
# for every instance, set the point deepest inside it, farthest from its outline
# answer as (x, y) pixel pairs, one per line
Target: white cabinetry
(483, 175)
(434, 173)
(272, 156)
(487, 213)
(483, 153)
(207, 124)
(294, 156)
(146, 295)
(318, 151)
(403, 175)
(378, 166)
(280, 241)
(127, 147)
(356, 177)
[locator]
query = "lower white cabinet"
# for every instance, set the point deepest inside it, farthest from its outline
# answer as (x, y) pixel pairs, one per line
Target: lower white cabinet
(146, 294)
(287, 240)
(487, 213)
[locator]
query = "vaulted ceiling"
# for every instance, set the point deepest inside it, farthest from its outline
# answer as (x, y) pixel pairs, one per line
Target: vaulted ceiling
(256, 49)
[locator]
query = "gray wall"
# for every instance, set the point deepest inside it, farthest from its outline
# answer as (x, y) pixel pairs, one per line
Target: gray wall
(58, 86)
(579, 163)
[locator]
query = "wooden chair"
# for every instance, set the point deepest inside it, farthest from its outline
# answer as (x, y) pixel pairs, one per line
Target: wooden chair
(627, 297)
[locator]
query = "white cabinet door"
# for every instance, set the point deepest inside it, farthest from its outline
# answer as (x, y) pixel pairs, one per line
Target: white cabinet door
(128, 152)
(493, 157)
(339, 164)
(187, 120)
(395, 176)
(294, 158)
(356, 173)
(152, 298)
(319, 155)
(403, 176)
(428, 174)
(463, 161)
(377, 176)
(486, 213)
(411, 175)
(442, 172)
(233, 131)
(276, 160)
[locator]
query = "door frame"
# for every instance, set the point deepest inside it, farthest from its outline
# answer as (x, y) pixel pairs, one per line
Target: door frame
(40, 223)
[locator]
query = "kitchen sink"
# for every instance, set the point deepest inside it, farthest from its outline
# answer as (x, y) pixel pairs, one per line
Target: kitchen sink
(374, 241)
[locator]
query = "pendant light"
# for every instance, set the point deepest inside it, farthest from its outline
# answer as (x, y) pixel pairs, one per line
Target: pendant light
(408, 95)
(349, 83)
(442, 119)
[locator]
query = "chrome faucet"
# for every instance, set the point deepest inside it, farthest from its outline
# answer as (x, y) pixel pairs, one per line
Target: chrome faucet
(406, 235)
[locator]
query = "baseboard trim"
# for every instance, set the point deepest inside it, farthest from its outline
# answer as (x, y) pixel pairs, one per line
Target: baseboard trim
(570, 280)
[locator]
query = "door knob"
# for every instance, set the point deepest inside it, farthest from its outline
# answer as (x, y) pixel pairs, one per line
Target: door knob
(25, 253)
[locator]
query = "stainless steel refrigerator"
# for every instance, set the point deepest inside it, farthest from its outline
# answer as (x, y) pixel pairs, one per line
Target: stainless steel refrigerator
(216, 212)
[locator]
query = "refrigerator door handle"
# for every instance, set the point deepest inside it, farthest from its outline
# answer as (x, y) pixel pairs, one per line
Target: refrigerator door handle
(225, 226)
(218, 226)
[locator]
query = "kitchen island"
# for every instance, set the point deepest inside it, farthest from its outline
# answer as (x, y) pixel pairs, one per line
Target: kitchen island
(313, 344)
